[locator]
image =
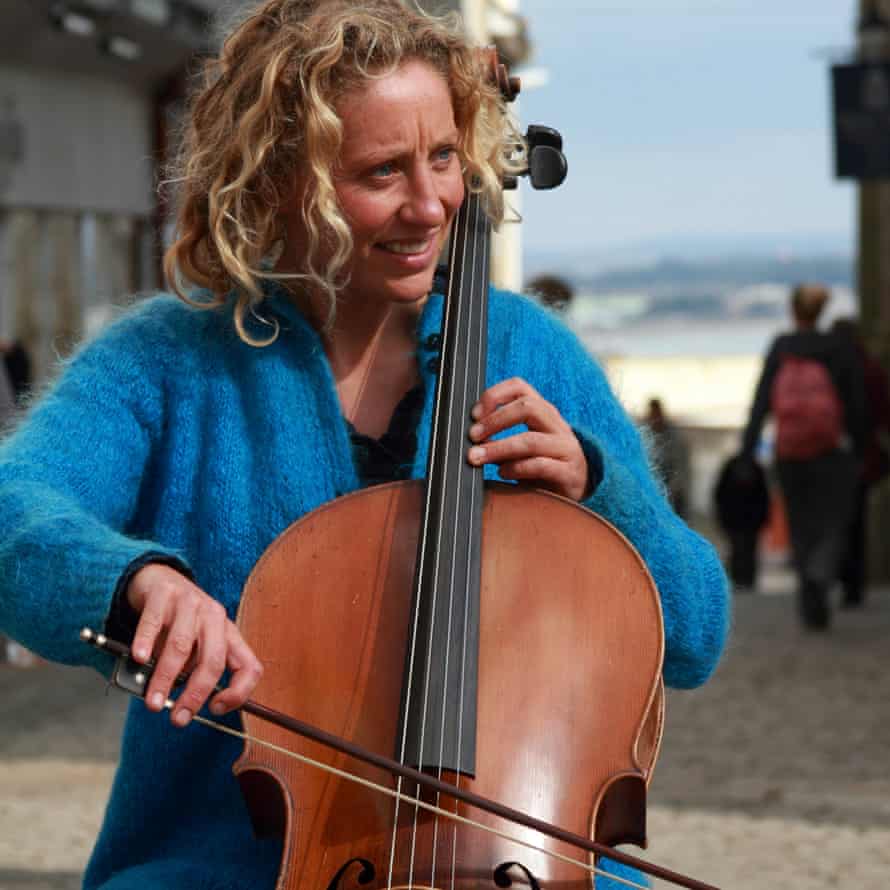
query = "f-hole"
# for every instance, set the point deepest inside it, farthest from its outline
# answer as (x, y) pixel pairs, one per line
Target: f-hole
(503, 879)
(365, 876)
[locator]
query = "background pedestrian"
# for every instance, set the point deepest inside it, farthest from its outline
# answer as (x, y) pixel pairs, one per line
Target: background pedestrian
(812, 385)
(741, 499)
(873, 467)
(671, 455)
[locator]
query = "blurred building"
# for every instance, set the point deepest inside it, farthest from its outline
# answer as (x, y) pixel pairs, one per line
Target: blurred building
(86, 92)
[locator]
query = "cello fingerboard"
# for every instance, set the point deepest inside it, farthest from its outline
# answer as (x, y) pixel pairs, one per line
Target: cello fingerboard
(438, 724)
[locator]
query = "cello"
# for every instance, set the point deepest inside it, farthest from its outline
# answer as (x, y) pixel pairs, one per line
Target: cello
(421, 636)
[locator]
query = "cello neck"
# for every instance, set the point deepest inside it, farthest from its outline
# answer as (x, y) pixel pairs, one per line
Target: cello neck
(439, 702)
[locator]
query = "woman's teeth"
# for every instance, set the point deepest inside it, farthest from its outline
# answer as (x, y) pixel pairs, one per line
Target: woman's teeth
(406, 246)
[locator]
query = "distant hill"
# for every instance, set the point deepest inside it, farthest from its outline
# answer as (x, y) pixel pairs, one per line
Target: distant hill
(694, 249)
(671, 274)
(732, 287)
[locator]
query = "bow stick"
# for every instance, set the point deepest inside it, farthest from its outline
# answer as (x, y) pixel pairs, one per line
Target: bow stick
(133, 677)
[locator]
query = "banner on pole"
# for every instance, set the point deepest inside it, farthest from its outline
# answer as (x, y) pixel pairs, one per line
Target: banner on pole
(861, 93)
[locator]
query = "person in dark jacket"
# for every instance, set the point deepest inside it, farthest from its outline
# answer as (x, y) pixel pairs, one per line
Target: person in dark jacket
(17, 363)
(741, 497)
(671, 455)
(874, 467)
(552, 291)
(818, 485)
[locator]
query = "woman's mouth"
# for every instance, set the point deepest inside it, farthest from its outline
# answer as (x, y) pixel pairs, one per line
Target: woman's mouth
(407, 248)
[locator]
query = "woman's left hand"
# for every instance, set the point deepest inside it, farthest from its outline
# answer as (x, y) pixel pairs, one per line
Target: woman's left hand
(549, 454)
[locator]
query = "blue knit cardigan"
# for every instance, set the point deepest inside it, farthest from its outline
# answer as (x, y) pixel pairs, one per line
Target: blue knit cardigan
(167, 433)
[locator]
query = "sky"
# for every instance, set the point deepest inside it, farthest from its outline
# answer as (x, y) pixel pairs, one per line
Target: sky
(688, 122)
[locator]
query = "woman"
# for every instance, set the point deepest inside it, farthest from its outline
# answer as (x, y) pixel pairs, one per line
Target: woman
(326, 157)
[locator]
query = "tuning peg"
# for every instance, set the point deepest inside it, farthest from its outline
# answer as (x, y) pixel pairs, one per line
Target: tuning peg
(536, 135)
(547, 167)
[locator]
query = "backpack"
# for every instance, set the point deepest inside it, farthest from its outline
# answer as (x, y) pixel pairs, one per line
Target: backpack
(808, 413)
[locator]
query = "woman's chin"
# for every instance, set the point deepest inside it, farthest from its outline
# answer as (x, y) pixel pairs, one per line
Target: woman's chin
(411, 290)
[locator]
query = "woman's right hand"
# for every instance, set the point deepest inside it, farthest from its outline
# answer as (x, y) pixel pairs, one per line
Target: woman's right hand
(184, 629)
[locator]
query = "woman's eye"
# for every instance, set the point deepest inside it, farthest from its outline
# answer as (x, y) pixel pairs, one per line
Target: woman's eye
(381, 171)
(444, 155)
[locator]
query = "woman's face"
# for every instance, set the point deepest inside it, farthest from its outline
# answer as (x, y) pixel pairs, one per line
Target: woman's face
(398, 181)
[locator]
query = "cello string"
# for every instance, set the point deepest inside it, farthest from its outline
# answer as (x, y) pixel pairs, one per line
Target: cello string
(455, 306)
(434, 439)
(423, 549)
(458, 307)
(397, 795)
(478, 288)
(465, 293)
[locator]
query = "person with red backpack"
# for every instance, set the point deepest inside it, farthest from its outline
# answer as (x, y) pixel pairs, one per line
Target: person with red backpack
(812, 385)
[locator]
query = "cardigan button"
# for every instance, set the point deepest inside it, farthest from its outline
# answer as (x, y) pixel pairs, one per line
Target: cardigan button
(433, 342)
(432, 364)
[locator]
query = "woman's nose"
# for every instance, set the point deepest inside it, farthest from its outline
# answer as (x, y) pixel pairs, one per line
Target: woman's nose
(424, 205)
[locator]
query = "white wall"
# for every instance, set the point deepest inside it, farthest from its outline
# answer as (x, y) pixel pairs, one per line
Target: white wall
(87, 143)
(696, 390)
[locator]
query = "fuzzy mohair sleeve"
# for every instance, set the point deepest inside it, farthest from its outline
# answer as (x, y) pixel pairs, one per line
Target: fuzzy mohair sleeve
(685, 567)
(70, 479)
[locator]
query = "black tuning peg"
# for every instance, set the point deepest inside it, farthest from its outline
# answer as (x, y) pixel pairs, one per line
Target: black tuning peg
(537, 135)
(547, 165)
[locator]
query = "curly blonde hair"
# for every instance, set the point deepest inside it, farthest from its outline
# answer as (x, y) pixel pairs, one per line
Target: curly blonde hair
(266, 109)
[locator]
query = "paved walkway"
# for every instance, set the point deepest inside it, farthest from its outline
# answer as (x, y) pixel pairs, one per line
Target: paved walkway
(774, 775)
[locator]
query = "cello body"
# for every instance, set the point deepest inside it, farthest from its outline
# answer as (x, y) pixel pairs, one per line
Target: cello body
(570, 696)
